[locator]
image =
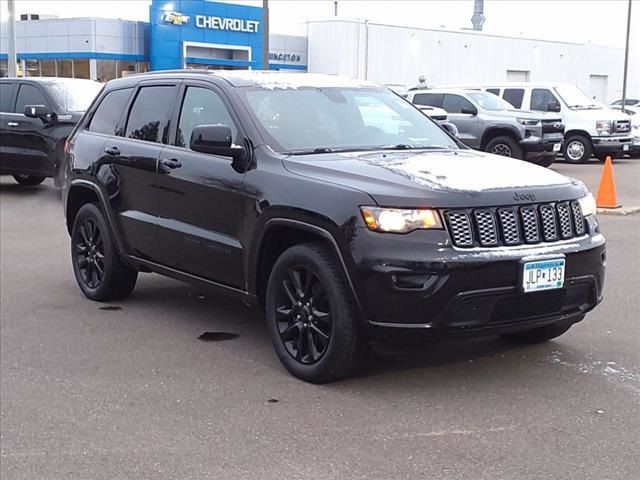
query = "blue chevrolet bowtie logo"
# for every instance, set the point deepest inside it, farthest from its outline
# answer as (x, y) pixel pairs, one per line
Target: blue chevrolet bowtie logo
(175, 18)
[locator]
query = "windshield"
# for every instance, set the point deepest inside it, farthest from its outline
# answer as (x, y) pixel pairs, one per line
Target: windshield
(628, 102)
(74, 95)
(489, 101)
(313, 120)
(575, 98)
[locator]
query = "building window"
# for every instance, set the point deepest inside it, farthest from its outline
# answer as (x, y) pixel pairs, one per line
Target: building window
(126, 68)
(65, 68)
(4, 68)
(32, 68)
(48, 68)
(81, 68)
(106, 70)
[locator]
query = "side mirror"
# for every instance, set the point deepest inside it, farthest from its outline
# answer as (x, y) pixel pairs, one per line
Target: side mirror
(450, 128)
(553, 107)
(216, 140)
(469, 110)
(36, 111)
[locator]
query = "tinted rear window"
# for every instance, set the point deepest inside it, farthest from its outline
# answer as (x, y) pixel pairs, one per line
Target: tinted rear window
(106, 117)
(150, 112)
(514, 96)
(495, 91)
(428, 99)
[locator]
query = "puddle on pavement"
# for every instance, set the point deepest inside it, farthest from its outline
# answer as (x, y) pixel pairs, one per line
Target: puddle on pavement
(217, 336)
(110, 308)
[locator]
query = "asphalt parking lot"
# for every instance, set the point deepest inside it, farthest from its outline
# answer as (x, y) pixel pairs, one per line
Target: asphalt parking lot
(129, 391)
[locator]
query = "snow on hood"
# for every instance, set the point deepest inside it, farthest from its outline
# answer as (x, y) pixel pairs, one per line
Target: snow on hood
(466, 171)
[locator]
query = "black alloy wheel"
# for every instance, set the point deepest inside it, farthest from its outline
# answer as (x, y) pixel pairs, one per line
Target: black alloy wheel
(98, 268)
(90, 253)
(312, 319)
(303, 314)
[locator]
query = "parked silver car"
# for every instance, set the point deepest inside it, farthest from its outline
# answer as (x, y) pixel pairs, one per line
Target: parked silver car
(486, 122)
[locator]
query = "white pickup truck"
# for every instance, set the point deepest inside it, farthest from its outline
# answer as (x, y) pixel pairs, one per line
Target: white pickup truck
(590, 127)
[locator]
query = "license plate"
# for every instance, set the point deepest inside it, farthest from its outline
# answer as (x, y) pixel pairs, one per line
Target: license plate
(556, 147)
(543, 275)
(625, 148)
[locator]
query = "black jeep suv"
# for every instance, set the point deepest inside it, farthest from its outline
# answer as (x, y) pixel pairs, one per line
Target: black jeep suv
(36, 117)
(336, 205)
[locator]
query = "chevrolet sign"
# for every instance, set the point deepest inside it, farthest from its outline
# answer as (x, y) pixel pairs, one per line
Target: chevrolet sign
(232, 24)
(175, 18)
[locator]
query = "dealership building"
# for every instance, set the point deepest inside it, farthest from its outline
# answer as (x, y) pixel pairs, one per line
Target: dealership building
(213, 35)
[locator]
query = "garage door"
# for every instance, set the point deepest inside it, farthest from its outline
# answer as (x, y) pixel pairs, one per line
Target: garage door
(598, 87)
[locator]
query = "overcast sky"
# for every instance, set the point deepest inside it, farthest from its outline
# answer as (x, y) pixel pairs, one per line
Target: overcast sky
(601, 22)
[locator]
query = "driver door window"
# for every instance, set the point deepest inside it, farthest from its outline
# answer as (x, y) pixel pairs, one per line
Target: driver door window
(455, 103)
(202, 106)
(29, 95)
(541, 98)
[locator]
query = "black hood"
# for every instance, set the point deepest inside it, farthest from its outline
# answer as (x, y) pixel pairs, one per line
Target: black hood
(455, 178)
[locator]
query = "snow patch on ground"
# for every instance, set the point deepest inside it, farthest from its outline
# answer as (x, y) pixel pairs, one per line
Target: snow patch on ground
(612, 371)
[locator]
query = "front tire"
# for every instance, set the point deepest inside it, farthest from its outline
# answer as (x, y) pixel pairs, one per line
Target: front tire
(97, 266)
(504, 146)
(577, 149)
(540, 334)
(311, 318)
(28, 180)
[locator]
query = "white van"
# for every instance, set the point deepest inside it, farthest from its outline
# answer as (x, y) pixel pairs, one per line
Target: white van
(590, 127)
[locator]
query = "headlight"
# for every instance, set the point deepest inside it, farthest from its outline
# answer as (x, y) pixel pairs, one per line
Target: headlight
(528, 122)
(603, 127)
(588, 205)
(394, 220)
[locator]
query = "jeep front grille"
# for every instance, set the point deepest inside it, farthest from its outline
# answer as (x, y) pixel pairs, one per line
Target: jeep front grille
(514, 225)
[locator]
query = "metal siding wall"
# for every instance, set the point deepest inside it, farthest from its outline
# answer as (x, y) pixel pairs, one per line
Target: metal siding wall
(398, 55)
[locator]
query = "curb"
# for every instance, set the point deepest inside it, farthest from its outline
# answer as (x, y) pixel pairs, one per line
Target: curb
(618, 211)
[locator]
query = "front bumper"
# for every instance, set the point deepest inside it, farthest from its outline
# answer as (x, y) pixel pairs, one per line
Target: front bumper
(537, 147)
(419, 282)
(613, 145)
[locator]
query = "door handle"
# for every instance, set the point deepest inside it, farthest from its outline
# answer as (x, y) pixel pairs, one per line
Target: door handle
(112, 151)
(12, 124)
(170, 163)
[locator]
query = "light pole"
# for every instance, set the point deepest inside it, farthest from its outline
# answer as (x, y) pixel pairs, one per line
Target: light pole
(335, 8)
(11, 31)
(265, 34)
(626, 59)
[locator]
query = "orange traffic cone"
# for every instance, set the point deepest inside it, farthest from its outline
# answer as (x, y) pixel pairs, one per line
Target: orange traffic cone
(607, 197)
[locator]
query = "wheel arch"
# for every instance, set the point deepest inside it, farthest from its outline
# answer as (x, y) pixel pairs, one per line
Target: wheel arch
(282, 233)
(582, 133)
(498, 131)
(82, 192)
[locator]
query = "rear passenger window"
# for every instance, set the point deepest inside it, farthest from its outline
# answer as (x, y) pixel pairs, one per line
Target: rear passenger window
(495, 91)
(541, 98)
(29, 95)
(109, 112)
(428, 99)
(149, 114)
(6, 91)
(202, 106)
(514, 96)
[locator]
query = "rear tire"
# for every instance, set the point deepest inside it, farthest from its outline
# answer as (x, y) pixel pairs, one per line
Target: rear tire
(312, 321)
(504, 146)
(539, 335)
(28, 180)
(97, 266)
(577, 149)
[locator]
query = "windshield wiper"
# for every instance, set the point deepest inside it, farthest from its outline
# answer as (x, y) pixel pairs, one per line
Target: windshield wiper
(406, 146)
